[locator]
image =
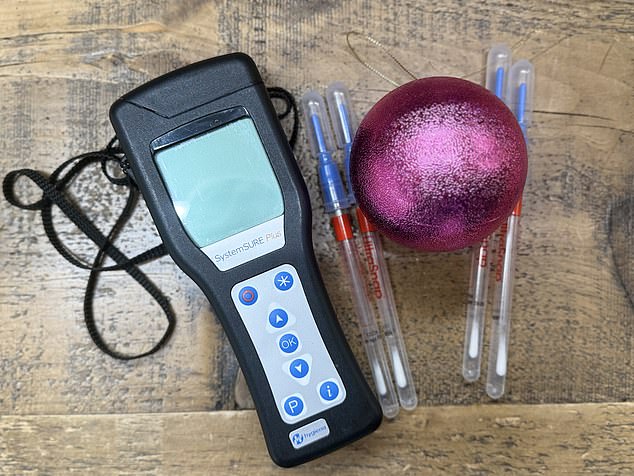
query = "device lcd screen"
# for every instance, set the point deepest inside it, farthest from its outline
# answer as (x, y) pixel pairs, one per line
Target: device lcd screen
(221, 182)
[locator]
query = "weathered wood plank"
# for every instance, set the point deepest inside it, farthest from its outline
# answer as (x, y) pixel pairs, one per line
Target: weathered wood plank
(481, 439)
(62, 64)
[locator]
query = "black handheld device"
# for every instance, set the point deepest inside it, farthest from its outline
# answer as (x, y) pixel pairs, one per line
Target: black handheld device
(213, 164)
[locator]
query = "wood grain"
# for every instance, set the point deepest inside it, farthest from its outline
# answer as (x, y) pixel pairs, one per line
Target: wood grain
(63, 63)
(475, 440)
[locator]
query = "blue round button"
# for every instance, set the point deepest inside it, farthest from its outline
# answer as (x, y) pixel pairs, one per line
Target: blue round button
(299, 368)
(278, 318)
(288, 343)
(329, 390)
(248, 295)
(293, 406)
(283, 281)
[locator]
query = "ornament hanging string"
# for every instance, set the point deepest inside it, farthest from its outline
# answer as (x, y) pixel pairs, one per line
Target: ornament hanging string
(376, 43)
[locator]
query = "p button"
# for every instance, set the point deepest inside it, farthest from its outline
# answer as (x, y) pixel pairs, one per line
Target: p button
(294, 405)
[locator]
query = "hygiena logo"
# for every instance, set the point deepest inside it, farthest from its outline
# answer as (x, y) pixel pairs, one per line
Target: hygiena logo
(310, 433)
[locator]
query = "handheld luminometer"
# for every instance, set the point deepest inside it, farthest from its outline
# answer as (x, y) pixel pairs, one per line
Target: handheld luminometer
(211, 160)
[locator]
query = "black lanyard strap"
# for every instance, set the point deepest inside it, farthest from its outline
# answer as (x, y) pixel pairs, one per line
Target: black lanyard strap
(54, 193)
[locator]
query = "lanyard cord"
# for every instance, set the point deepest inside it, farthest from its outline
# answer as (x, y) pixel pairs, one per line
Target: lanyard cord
(54, 192)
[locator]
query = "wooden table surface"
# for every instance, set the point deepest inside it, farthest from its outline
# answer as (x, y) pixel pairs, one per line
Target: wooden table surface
(569, 408)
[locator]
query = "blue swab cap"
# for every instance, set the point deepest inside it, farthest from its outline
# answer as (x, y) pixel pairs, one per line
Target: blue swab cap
(322, 146)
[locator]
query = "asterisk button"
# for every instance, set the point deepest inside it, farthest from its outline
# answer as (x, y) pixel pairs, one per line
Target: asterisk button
(283, 281)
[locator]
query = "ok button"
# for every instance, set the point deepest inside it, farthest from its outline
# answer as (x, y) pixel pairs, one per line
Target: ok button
(288, 343)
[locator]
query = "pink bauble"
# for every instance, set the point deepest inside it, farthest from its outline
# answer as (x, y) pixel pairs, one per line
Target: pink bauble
(438, 164)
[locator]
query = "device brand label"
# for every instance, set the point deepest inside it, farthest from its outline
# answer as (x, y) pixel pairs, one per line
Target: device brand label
(247, 245)
(310, 433)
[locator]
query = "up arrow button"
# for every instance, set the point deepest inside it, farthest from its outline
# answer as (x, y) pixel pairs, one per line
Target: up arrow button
(278, 319)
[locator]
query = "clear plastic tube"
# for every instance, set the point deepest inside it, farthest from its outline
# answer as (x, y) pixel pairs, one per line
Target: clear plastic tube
(335, 201)
(322, 146)
(344, 121)
(476, 307)
(498, 64)
(317, 128)
(520, 100)
(369, 330)
(503, 300)
(382, 290)
(344, 124)
(520, 90)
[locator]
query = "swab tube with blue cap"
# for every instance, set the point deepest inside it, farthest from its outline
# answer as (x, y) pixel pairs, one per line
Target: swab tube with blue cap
(520, 89)
(336, 203)
(498, 64)
(344, 123)
(520, 100)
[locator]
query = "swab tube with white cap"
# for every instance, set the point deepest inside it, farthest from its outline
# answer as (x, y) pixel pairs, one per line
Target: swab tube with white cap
(520, 100)
(498, 64)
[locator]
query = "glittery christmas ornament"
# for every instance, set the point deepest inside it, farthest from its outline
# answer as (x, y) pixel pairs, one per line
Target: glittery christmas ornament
(438, 164)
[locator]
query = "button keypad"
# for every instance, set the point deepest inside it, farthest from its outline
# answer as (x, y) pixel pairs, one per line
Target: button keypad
(278, 318)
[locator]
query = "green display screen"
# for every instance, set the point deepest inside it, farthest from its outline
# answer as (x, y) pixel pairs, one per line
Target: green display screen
(221, 182)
